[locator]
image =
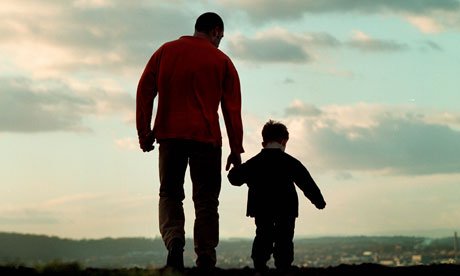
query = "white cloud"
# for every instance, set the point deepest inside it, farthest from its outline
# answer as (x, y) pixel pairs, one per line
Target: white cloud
(267, 48)
(24, 109)
(368, 137)
(279, 45)
(95, 36)
(51, 105)
(364, 42)
(450, 119)
(127, 143)
(92, 3)
(301, 108)
(70, 199)
(425, 24)
(269, 10)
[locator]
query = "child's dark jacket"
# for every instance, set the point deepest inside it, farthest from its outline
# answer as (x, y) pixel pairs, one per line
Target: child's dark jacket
(270, 176)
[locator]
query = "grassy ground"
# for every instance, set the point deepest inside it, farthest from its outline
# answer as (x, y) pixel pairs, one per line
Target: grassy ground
(354, 270)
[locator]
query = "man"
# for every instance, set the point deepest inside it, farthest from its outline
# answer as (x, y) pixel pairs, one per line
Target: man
(191, 77)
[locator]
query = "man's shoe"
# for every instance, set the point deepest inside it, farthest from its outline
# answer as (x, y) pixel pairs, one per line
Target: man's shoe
(175, 258)
(287, 270)
(206, 265)
(261, 267)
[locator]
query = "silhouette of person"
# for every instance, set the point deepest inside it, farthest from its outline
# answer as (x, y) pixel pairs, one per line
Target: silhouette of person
(191, 77)
(272, 197)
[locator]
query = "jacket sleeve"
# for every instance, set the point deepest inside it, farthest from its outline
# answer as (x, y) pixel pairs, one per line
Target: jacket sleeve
(146, 93)
(231, 108)
(307, 184)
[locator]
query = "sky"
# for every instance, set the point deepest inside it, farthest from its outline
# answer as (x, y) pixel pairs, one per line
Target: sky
(369, 91)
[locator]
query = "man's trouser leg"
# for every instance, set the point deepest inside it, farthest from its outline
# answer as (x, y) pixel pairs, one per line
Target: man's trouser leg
(172, 166)
(205, 173)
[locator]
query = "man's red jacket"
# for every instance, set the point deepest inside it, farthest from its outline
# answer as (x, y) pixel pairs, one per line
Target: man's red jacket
(191, 78)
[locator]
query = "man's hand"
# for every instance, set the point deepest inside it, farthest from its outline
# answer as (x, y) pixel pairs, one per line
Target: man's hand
(234, 158)
(146, 142)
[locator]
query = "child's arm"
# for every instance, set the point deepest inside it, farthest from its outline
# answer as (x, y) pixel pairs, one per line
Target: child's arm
(308, 185)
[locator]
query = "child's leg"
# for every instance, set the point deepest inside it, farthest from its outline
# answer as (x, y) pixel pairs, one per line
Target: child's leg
(262, 247)
(284, 247)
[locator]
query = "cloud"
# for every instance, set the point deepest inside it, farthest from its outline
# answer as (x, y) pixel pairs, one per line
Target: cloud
(428, 44)
(267, 49)
(268, 10)
(300, 108)
(99, 36)
(127, 143)
(24, 110)
(27, 217)
(424, 24)
(96, 38)
(343, 176)
(364, 42)
(445, 118)
(279, 45)
(70, 199)
(40, 106)
(368, 137)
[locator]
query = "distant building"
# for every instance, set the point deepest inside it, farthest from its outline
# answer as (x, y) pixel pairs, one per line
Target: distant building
(387, 262)
(416, 259)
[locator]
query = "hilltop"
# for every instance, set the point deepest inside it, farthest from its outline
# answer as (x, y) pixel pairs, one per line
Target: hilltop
(26, 254)
(355, 270)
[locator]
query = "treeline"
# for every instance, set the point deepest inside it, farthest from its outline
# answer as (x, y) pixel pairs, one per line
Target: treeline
(35, 249)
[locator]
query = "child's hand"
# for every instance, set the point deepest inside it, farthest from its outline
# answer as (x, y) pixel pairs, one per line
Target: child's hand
(320, 204)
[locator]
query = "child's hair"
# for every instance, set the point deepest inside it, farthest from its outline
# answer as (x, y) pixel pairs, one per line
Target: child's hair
(274, 132)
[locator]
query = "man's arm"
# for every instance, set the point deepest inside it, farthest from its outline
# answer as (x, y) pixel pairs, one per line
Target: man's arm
(233, 159)
(146, 93)
(231, 110)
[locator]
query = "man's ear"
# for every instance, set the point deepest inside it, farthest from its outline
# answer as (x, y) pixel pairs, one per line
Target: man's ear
(284, 142)
(214, 32)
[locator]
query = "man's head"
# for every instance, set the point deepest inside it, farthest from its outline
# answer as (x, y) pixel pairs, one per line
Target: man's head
(274, 132)
(212, 25)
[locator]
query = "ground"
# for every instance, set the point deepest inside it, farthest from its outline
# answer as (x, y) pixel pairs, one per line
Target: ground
(355, 270)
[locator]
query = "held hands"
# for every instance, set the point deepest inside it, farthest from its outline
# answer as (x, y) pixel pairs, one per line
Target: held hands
(146, 142)
(233, 158)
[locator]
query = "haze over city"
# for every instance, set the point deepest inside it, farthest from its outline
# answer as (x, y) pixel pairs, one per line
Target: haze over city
(369, 91)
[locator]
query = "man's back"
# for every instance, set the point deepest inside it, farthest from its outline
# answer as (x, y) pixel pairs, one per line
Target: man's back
(192, 78)
(191, 75)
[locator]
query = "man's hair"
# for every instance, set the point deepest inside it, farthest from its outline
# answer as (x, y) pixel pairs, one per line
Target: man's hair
(274, 132)
(206, 22)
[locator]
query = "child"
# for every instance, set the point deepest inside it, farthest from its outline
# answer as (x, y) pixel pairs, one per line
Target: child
(272, 197)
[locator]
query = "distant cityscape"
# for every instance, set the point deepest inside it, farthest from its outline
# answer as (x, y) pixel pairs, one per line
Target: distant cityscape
(32, 250)
(389, 251)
